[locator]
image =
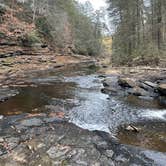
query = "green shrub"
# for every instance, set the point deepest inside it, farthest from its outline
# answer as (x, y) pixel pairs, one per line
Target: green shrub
(2, 9)
(43, 26)
(2, 35)
(31, 39)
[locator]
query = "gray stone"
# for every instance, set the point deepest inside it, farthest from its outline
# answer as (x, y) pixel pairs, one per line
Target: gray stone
(151, 84)
(53, 119)
(137, 91)
(127, 82)
(102, 144)
(145, 86)
(31, 122)
(121, 158)
(2, 139)
(148, 98)
(12, 142)
(58, 151)
(109, 153)
(109, 90)
(105, 161)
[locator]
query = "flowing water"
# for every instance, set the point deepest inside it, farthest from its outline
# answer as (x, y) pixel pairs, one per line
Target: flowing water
(94, 110)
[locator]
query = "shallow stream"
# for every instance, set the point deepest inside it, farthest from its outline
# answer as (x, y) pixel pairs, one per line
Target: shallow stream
(93, 110)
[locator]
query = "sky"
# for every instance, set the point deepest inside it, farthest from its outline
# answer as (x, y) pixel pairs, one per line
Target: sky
(96, 3)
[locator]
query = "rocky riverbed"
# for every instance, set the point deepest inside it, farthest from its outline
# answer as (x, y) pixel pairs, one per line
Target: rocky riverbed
(61, 117)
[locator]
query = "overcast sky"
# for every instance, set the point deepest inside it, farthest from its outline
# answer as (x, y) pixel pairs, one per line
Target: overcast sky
(96, 3)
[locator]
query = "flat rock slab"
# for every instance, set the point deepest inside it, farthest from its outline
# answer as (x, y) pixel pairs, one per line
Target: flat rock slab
(31, 122)
(137, 91)
(151, 84)
(127, 82)
(66, 144)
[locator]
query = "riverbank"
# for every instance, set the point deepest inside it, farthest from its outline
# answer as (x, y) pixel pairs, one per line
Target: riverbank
(13, 70)
(143, 82)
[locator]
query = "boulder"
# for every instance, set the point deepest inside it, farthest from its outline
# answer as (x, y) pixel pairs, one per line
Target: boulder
(137, 91)
(109, 90)
(146, 87)
(162, 89)
(127, 82)
(151, 84)
(107, 82)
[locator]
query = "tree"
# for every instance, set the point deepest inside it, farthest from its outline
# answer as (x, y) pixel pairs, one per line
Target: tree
(140, 29)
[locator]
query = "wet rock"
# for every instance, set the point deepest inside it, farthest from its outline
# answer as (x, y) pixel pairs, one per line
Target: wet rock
(127, 82)
(132, 128)
(162, 100)
(109, 153)
(121, 159)
(146, 87)
(12, 142)
(54, 108)
(6, 93)
(162, 89)
(53, 119)
(107, 82)
(151, 84)
(3, 150)
(109, 90)
(31, 122)
(20, 154)
(102, 76)
(105, 161)
(2, 139)
(58, 151)
(34, 145)
(102, 145)
(148, 98)
(137, 91)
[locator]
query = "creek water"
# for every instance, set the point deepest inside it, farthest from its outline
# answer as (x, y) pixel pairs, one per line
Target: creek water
(94, 110)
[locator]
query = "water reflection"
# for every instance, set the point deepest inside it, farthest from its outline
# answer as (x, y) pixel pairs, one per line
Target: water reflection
(31, 98)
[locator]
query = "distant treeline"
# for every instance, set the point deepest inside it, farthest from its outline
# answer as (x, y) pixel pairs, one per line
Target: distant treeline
(140, 30)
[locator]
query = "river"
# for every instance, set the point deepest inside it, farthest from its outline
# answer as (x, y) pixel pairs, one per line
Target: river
(91, 109)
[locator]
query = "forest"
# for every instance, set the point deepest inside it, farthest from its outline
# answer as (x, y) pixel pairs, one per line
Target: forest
(82, 82)
(140, 31)
(64, 24)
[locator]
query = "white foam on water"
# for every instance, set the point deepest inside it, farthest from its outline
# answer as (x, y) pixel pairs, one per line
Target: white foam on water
(92, 127)
(155, 114)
